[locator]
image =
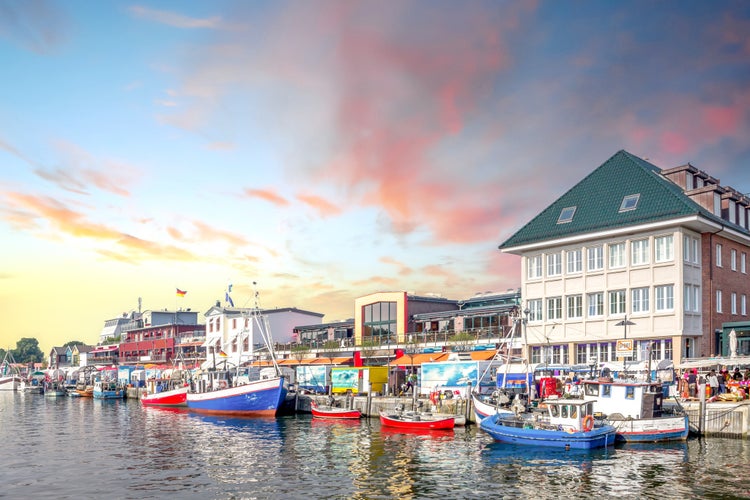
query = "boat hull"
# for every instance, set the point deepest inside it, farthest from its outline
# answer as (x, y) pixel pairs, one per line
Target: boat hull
(598, 437)
(10, 383)
(651, 430)
(483, 410)
(261, 398)
(398, 422)
(175, 398)
(118, 394)
(335, 413)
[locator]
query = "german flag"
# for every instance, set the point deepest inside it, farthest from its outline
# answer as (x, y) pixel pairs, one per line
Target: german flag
(181, 293)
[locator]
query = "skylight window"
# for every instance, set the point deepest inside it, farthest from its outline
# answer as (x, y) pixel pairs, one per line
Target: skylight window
(630, 202)
(566, 215)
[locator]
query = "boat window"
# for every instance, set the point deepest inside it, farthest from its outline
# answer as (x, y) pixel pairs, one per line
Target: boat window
(573, 412)
(592, 389)
(606, 390)
(630, 392)
(553, 410)
(564, 411)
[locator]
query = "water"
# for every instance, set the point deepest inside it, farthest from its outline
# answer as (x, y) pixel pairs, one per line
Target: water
(85, 448)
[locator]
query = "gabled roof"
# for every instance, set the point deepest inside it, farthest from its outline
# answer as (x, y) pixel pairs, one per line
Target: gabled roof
(598, 198)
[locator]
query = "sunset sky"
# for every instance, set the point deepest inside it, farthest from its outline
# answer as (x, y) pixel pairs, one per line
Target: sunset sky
(328, 150)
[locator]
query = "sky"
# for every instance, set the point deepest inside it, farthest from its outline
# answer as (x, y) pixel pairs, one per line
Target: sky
(328, 150)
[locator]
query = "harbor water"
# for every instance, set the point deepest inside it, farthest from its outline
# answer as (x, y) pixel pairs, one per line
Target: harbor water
(85, 448)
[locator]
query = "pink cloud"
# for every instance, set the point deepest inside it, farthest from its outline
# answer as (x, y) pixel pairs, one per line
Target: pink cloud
(324, 207)
(267, 195)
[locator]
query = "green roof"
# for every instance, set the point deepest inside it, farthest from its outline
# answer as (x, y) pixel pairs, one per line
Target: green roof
(598, 198)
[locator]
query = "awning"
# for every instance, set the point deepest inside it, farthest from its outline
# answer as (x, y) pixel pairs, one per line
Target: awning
(482, 355)
(332, 361)
(104, 348)
(418, 359)
(717, 361)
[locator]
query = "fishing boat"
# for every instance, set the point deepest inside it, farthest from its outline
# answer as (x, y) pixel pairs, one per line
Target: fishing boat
(107, 389)
(34, 384)
(333, 412)
(175, 395)
(10, 376)
(241, 390)
(487, 405)
(55, 389)
(562, 423)
(416, 420)
(636, 410)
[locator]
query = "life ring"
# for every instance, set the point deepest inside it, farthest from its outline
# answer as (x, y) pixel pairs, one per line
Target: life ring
(222, 384)
(588, 423)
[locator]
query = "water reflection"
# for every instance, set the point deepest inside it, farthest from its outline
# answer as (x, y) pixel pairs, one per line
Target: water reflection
(119, 449)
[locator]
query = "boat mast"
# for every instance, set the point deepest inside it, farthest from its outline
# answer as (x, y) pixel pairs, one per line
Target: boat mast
(261, 321)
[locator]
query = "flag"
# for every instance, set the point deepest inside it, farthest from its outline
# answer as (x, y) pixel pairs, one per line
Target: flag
(229, 300)
(181, 293)
(222, 353)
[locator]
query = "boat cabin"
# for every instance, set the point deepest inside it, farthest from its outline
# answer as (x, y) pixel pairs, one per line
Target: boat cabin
(626, 399)
(570, 414)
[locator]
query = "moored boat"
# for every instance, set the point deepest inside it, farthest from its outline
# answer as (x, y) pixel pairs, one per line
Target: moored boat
(415, 420)
(484, 406)
(636, 410)
(54, 389)
(259, 398)
(564, 423)
(10, 376)
(333, 412)
(173, 397)
(107, 389)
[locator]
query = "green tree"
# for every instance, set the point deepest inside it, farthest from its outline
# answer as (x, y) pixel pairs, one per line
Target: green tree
(300, 352)
(368, 348)
(461, 341)
(27, 351)
(330, 350)
(73, 342)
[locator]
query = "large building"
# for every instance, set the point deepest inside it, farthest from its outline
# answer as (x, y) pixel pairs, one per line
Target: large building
(654, 258)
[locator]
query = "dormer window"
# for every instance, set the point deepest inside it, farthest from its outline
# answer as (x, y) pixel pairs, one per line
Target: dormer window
(566, 215)
(630, 202)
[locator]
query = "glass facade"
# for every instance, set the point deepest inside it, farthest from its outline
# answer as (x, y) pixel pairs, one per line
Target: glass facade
(380, 321)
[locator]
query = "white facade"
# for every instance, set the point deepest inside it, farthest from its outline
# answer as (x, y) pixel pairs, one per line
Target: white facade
(578, 289)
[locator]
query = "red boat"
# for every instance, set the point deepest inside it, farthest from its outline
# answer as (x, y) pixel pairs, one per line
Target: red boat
(411, 420)
(174, 398)
(333, 412)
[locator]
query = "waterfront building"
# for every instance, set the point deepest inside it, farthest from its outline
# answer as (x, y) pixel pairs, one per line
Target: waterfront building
(231, 331)
(634, 261)
(113, 328)
(155, 336)
(317, 335)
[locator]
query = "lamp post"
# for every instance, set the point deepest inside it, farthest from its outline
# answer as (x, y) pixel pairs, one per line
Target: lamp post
(388, 370)
(625, 323)
(411, 350)
(527, 354)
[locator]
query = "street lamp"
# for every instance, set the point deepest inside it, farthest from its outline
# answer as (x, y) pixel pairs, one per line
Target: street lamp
(625, 323)
(388, 370)
(411, 350)
(527, 312)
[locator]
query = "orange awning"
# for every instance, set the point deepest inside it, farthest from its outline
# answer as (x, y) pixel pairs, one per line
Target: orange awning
(483, 355)
(332, 361)
(418, 359)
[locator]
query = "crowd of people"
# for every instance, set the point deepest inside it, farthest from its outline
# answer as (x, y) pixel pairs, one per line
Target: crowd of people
(717, 383)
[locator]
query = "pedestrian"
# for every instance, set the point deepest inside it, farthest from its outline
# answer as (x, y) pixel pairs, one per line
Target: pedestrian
(713, 382)
(692, 380)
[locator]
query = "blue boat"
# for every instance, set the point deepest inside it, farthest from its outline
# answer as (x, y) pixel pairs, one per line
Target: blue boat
(560, 423)
(108, 389)
(217, 396)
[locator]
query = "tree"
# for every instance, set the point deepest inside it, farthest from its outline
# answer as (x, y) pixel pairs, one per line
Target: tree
(330, 350)
(73, 342)
(299, 352)
(368, 350)
(461, 341)
(27, 351)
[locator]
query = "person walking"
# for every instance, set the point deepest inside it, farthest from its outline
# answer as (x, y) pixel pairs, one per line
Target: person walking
(713, 383)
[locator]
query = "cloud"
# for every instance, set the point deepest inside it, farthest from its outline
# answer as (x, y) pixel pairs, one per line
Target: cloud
(174, 19)
(321, 205)
(267, 195)
(39, 26)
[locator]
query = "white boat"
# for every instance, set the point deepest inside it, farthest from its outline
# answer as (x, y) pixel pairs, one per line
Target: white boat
(635, 409)
(10, 376)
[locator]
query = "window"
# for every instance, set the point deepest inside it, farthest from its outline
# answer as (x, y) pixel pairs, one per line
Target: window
(664, 297)
(575, 306)
(733, 303)
(692, 297)
(629, 202)
(718, 255)
(664, 248)
(743, 258)
(743, 304)
(596, 304)
(718, 301)
(535, 267)
(616, 255)
(535, 310)
(639, 302)
(574, 261)
(595, 258)
(566, 215)
(733, 259)
(629, 392)
(554, 264)
(380, 320)
(554, 308)
(617, 302)
(639, 252)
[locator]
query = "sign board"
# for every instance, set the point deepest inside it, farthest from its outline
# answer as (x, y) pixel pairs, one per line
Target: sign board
(624, 348)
